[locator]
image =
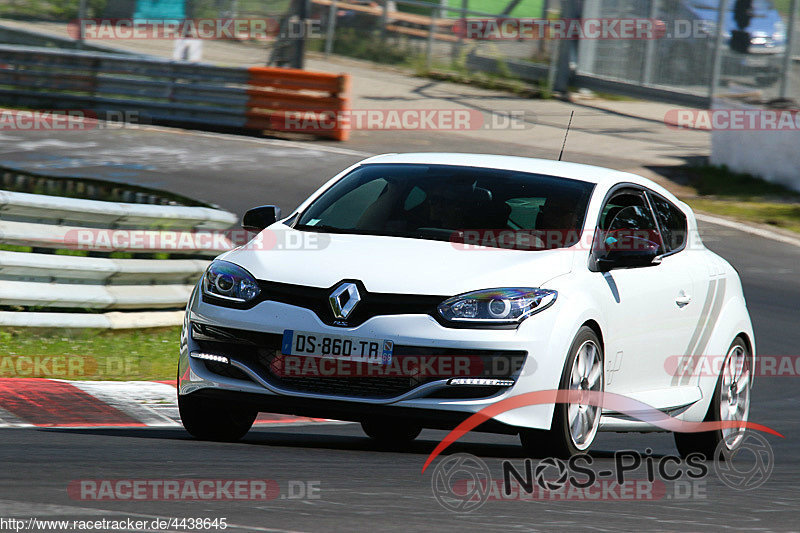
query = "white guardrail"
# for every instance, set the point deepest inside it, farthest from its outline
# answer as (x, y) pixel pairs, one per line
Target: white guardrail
(105, 292)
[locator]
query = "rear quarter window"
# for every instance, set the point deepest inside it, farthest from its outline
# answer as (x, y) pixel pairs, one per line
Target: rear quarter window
(672, 222)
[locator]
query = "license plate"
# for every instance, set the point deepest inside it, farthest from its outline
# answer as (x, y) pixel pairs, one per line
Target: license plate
(361, 349)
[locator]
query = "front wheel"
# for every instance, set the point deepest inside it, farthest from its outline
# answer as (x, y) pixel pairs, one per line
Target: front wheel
(221, 421)
(730, 402)
(574, 425)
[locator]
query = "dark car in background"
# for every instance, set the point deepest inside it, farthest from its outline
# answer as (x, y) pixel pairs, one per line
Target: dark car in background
(690, 57)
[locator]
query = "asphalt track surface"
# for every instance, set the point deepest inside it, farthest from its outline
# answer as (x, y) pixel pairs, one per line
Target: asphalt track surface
(364, 488)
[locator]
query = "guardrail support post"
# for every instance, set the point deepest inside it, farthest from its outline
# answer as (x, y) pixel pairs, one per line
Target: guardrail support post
(716, 68)
(563, 74)
(429, 49)
(331, 28)
(384, 19)
(81, 16)
(791, 37)
(650, 47)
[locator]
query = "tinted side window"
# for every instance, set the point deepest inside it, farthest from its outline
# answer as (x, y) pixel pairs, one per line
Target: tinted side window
(672, 222)
(618, 203)
(627, 213)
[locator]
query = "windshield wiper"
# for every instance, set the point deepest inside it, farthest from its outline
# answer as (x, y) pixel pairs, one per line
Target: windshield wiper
(323, 228)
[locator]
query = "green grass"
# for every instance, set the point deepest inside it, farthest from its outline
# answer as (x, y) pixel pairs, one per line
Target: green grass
(87, 354)
(486, 81)
(525, 9)
(722, 182)
(786, 216)
(782, 6)
(744, 197)
(366, 45)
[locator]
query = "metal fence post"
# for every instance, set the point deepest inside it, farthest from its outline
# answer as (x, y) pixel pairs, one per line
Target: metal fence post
(650, 50)
(431, 30)
(81, 16)
(459, 45)
(331, 28)
(384, 19)
(791, 36)
(304, 13)
(562, 75)
(716, 68)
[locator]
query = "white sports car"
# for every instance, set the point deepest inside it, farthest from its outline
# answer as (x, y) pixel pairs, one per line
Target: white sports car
(413, 290)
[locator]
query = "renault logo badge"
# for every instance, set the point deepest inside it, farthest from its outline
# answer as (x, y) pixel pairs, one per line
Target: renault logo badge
(344, 299)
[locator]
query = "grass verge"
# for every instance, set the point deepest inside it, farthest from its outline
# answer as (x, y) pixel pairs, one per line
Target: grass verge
(86, 354)
(744, 197)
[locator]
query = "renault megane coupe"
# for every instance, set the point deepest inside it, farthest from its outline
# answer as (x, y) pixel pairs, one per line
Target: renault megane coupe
(427, 287)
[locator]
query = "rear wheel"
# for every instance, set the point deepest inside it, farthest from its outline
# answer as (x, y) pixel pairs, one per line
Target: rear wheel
(574, 425)
(222, 421)
(391, 432)
(730, 402)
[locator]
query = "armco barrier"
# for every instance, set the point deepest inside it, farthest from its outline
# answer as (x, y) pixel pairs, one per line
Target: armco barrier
(275, 91)
(167, 92)
(151, 291)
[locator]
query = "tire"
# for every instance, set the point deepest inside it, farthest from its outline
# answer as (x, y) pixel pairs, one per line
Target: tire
(559, 440)
(215, 420)
(391, 432)
(706, 442)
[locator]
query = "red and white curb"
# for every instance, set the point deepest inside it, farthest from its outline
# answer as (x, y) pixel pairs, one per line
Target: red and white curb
(33, 402)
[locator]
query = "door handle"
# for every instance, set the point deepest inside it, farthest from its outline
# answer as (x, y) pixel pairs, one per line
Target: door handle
(682, 299)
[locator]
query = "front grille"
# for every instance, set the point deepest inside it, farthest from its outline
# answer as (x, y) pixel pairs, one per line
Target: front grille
(411, 367)
(372, 303)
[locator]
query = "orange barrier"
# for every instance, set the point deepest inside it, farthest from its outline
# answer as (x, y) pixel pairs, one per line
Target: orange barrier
(394, 16)
(278, 95)
(417, 32)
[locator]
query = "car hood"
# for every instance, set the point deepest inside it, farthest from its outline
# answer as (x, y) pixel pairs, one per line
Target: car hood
(394, 264)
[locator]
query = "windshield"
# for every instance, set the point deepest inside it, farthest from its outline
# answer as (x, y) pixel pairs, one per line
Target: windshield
(453, 203)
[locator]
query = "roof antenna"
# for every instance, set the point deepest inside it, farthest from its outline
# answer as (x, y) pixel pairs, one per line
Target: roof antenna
(565, 136)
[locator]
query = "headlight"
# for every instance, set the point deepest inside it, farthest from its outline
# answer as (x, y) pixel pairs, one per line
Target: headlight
(496, 306)
(229, 282)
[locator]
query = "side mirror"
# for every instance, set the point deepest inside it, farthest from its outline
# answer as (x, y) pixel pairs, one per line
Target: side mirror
(258, 218)
(628, 252)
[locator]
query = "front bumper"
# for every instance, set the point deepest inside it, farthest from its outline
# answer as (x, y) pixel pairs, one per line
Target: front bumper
(250, 339)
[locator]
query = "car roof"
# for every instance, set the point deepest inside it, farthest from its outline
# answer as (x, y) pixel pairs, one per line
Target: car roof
(604, 177)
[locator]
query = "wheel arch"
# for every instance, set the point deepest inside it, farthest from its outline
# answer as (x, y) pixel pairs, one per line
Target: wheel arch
(733, 322)
(595, 326)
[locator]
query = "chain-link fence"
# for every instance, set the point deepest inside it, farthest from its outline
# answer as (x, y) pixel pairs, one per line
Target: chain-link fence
(684, 57)
(686, 52)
